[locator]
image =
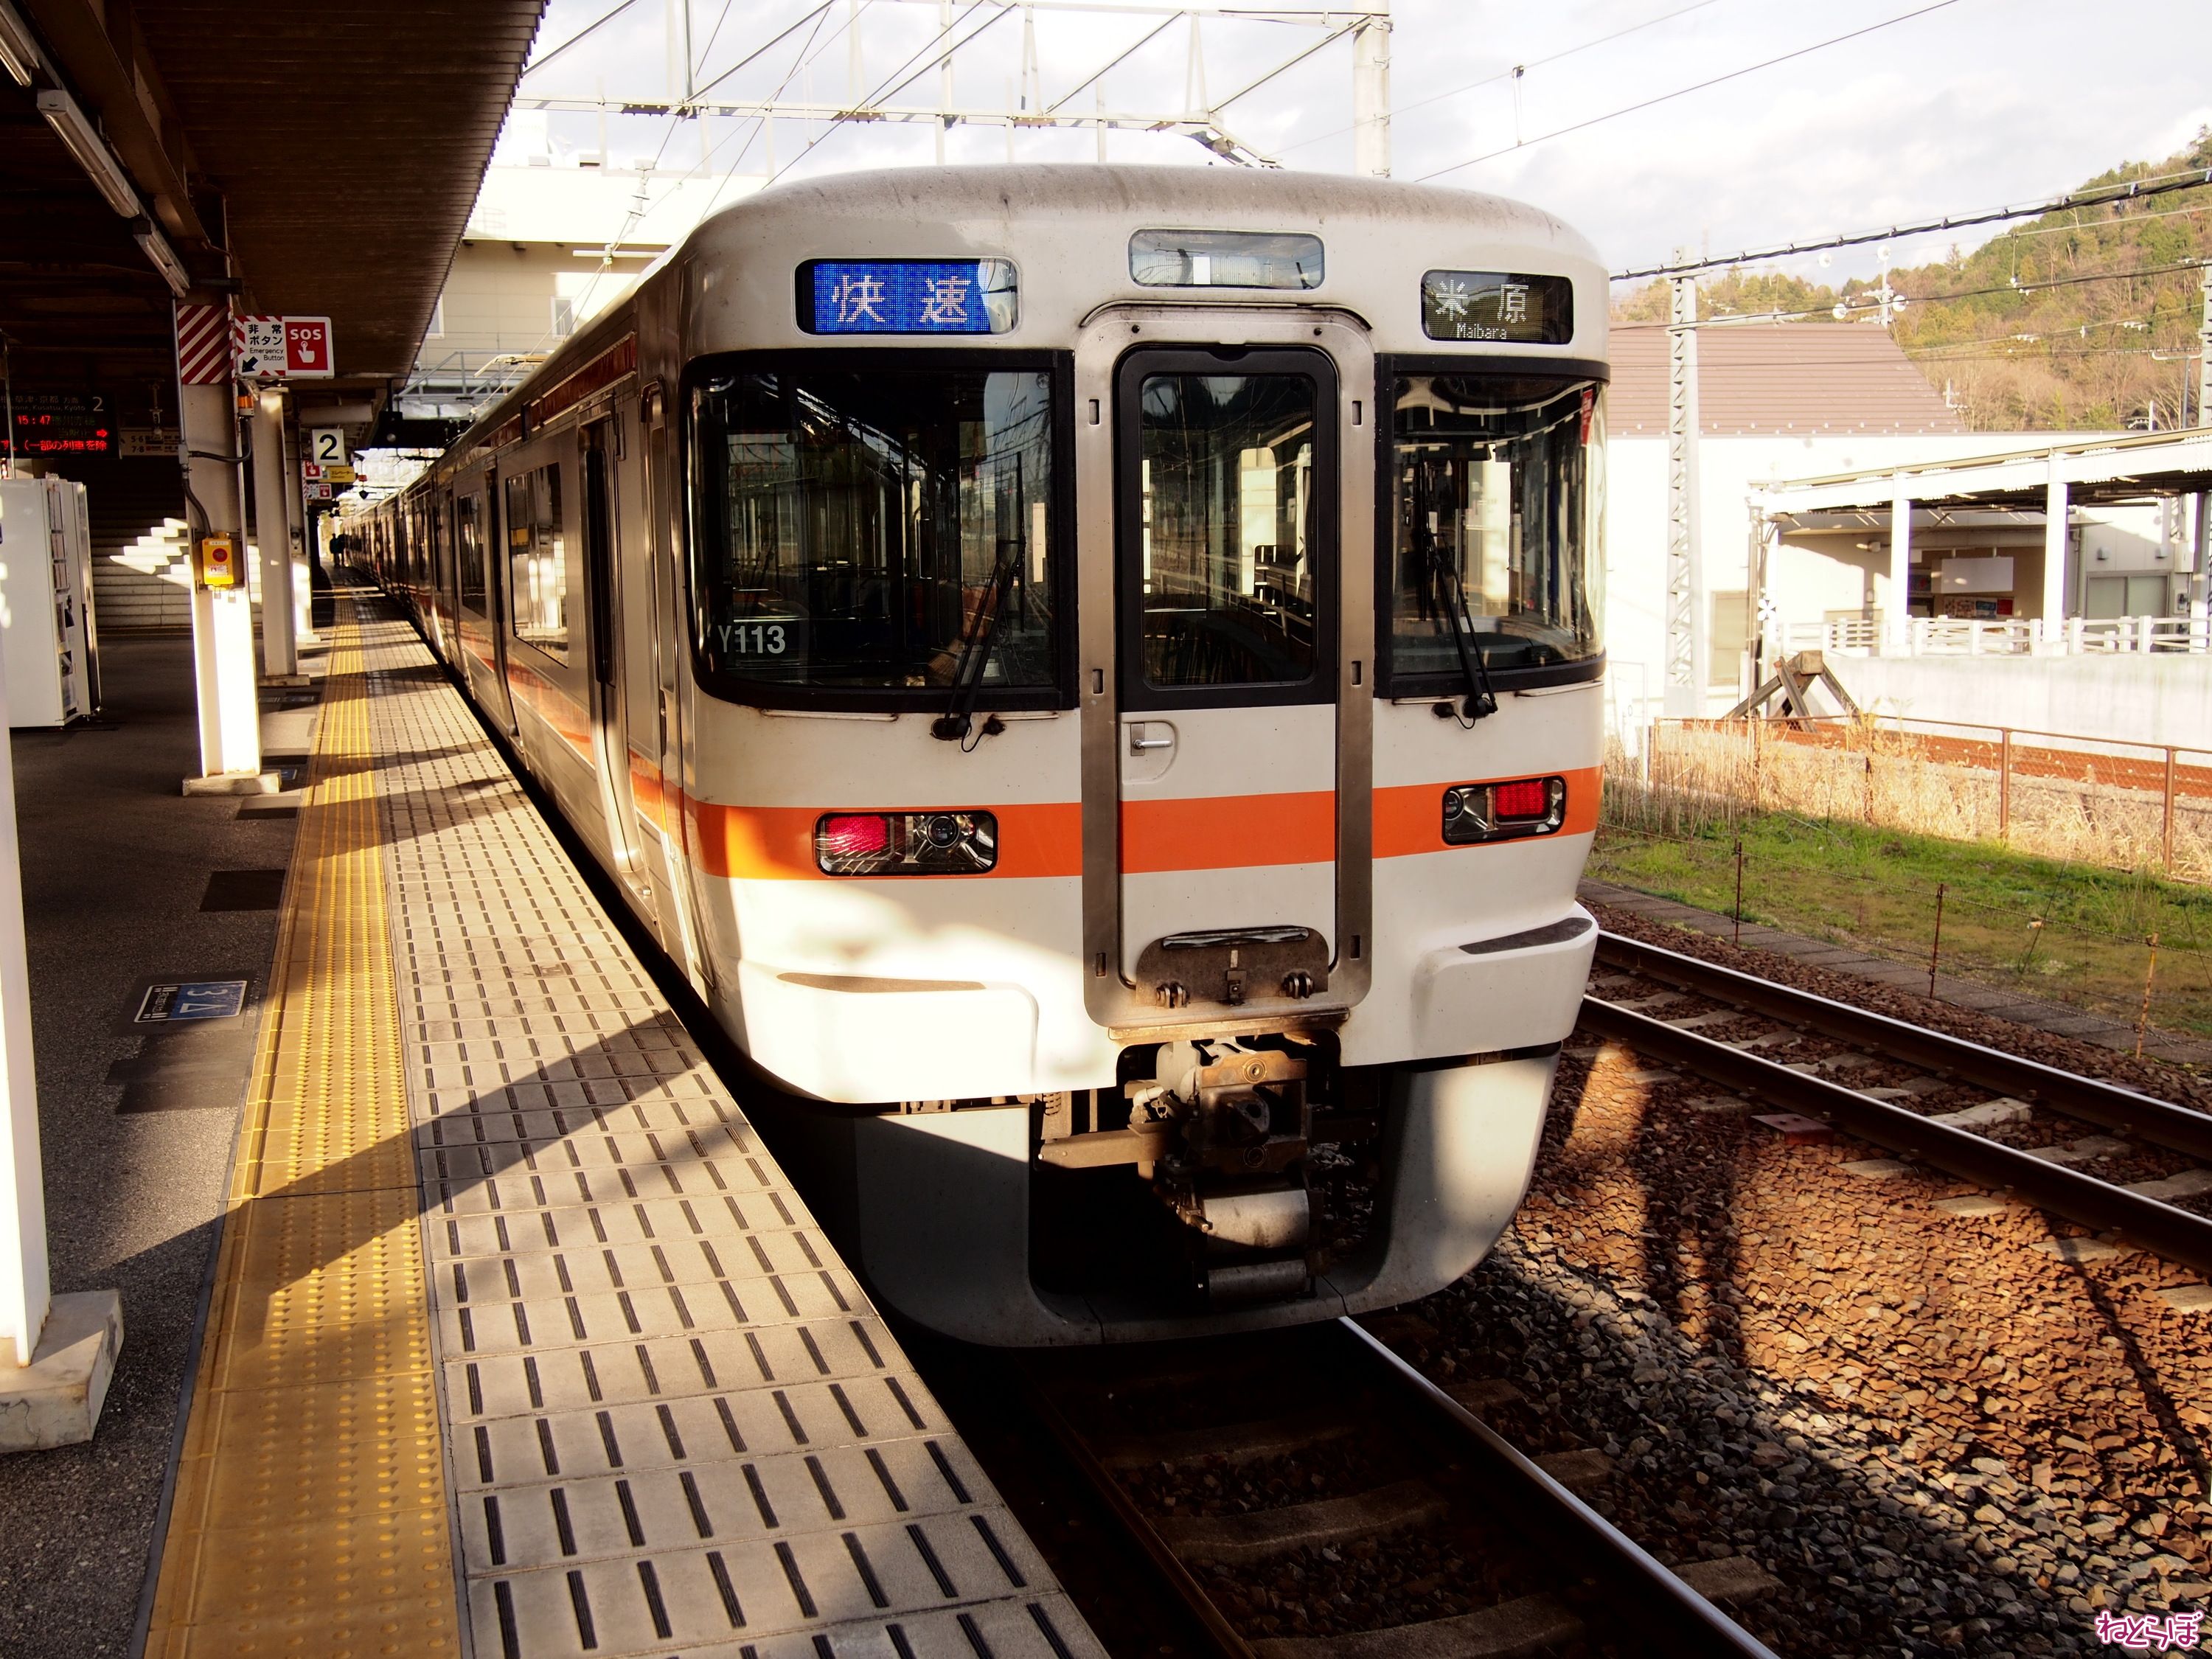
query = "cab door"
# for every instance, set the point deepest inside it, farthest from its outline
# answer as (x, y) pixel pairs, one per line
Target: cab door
(1226, 514)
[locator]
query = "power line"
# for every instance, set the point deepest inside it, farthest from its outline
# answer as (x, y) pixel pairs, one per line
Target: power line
(1507, 75)
(2137, 191)
(1684, 92)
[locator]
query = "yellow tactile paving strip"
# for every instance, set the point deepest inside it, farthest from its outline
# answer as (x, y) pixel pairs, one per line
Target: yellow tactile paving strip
(310, 1516)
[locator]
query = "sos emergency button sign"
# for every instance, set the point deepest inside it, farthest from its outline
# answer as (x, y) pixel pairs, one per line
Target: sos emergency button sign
(282, 348)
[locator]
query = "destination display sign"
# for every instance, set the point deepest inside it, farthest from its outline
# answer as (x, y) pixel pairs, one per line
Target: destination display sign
(907, 296)
(60, 423)
(1498, 305)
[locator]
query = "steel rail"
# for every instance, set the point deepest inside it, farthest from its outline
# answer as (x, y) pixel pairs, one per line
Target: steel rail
(1678, 1619)
(2164, 1228)
(1227, 1642)
(2179, 1129)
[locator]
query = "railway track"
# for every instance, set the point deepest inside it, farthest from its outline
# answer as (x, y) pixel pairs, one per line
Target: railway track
(1327, 1472)
(1961, 1139)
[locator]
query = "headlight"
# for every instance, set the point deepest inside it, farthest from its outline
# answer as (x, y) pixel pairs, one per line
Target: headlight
(945, 843)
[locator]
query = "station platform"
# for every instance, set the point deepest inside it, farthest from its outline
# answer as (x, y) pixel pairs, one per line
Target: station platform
(519, 1342)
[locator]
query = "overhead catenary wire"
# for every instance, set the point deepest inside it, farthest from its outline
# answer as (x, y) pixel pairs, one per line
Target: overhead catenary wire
(1870, 299)
(1684, 92)
(2196, 179)
(578, 38)
(901, 77)
(1401, 110)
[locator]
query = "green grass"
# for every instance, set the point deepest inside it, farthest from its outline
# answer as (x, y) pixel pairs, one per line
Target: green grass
(1877, 889)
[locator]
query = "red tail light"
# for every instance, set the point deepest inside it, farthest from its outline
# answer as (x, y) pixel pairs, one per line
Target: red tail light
(851, 835)
(944, 843)
(1528, 799)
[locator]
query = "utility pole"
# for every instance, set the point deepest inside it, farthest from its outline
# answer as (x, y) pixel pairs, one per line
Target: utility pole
(1371, 93)
(1684, 687)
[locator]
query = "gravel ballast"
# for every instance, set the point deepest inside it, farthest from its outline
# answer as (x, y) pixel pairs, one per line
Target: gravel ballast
(1939, 1438)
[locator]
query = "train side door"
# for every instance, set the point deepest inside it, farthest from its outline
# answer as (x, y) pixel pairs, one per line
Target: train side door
(1227, 555)
(610, 742)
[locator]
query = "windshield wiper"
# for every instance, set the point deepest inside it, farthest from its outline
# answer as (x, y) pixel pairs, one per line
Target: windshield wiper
(1480, 699)
(954, 725)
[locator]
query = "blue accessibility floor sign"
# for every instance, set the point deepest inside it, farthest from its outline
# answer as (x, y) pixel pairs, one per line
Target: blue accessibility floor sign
(199, 999)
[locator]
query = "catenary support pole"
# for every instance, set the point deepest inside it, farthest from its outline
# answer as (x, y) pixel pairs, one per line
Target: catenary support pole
(1371, 95)
(1682, 695)
(2199, 601)
(272, 527)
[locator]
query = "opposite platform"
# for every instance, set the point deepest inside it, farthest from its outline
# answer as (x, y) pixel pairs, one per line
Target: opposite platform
(521, 1343)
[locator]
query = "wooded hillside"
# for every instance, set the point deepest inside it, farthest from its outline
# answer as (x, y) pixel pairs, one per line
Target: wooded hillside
(2077, 321)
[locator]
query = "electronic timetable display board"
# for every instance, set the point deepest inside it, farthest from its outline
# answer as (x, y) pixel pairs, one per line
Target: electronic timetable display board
(1498, 305)
(907, 296)
(59, 424)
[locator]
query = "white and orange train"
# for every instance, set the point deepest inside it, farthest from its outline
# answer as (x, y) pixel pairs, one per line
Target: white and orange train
(1092, 674)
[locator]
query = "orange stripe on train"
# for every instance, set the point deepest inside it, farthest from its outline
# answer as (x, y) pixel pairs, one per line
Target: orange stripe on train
(1228, 832)
(1211, 832)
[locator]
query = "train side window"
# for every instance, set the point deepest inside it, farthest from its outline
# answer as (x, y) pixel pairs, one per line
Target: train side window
(468, 541)
(538, 561)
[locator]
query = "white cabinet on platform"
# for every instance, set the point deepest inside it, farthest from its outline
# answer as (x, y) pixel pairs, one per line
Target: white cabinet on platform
(48, 646)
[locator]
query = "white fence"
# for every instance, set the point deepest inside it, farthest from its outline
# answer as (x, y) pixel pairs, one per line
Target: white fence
(1947, 636)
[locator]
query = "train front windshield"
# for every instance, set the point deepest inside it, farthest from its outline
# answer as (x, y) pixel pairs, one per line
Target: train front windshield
(1498, 498)
(856, 531)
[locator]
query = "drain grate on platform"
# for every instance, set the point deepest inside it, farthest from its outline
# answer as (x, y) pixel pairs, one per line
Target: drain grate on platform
(244, 889)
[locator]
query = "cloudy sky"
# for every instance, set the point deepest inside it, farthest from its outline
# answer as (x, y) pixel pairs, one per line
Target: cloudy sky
(1957, 106)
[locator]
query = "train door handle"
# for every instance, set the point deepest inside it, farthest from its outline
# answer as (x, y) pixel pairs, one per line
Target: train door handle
(1139, 743)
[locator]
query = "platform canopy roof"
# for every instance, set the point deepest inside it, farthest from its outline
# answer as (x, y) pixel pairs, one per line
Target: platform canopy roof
(2098, 469)
(321, 158)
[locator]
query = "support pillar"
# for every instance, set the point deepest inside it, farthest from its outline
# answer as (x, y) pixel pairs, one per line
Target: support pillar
(272, 518)
(295, 512)
(1371, 95)
(2054, 553)
(222, 618)
(1897, 634)
(56, 1352)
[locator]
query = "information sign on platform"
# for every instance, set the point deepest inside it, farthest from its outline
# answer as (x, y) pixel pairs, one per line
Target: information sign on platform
(327, 445)
(149, 443)
(282, 348)
(338, 475)
(258, 350)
